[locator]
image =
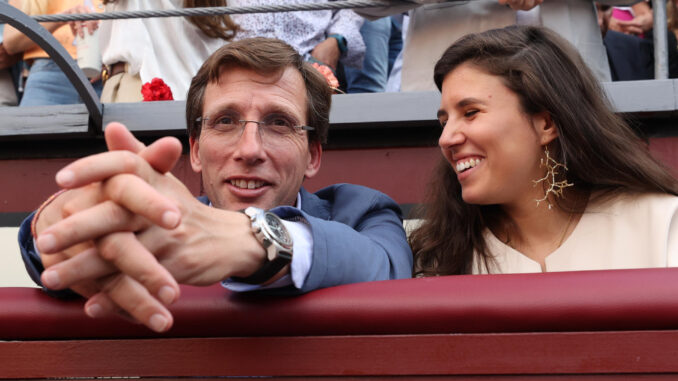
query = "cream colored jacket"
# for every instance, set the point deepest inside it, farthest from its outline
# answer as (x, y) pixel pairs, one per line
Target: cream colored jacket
(625, 232)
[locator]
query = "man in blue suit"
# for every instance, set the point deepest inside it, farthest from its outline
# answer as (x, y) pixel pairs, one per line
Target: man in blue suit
(126, 232)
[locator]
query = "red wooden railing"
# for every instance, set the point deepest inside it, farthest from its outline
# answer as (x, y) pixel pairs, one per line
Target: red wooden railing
(597, 324)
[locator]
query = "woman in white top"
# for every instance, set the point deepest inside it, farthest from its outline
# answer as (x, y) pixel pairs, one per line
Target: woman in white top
(134, 51)
(538, 173)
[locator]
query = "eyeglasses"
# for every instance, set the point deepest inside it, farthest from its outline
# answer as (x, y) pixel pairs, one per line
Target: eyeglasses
(273, 128)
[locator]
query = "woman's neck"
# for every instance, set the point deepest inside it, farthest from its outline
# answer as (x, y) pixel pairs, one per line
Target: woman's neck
(536, 231)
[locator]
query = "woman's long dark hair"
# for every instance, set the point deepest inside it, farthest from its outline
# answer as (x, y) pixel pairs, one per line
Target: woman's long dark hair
(547, 74)
(217, 26)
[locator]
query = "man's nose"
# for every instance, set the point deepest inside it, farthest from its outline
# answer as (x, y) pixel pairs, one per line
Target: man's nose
(250, 146)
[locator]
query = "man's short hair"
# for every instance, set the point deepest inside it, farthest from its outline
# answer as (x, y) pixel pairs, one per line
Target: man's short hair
(265, 56)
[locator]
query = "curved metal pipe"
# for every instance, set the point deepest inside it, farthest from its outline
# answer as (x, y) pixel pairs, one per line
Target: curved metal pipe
(58, 53)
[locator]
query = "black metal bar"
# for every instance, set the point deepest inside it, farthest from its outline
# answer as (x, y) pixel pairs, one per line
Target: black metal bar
(58, 53)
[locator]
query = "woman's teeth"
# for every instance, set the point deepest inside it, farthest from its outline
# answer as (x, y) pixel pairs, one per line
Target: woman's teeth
(464, 165)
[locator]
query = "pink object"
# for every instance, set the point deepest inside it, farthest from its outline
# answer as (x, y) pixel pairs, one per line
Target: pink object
(622, 14)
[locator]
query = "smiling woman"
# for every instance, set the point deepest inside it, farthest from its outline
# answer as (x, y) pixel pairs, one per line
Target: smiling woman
(538, 173)
(489, 140)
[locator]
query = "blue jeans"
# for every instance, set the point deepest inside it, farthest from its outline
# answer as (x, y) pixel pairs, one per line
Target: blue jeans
(374, 74)
(48, 85)
(395, 43)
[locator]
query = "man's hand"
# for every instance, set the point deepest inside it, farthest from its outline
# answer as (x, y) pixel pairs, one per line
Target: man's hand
(162, 154)
(159, 154)
(636, 27)
(521, 5)
(642, 20)
(327, 52)
(79, 28)
(190, 250)
(208, 245)
(7, 60)
(16, 42)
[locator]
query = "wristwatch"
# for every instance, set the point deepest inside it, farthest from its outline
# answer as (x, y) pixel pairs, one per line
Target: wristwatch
(269, 230)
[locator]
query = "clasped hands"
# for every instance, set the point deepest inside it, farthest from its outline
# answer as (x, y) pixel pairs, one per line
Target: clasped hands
(127, 232)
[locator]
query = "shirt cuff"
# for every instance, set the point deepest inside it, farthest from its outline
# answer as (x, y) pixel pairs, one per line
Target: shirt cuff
(341, 42)
(301, 261)
(35, 250)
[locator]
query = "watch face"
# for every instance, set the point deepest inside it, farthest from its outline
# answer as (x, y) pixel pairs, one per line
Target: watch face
(278, 230)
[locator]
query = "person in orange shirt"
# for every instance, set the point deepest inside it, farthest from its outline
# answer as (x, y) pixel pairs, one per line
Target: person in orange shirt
(47, 84)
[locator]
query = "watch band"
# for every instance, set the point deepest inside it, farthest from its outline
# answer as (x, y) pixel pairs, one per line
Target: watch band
(267, 271)
(271, 233)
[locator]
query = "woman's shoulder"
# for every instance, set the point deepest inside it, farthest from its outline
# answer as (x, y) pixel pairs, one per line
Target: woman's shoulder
(625, 230)
(630, 203)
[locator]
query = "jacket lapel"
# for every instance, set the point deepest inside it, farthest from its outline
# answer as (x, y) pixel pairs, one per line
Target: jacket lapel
(314, 206)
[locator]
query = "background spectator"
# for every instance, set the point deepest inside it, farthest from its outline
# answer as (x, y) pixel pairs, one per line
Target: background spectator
(672, 16)
(47, 84)
(636, 19)
(433, 27)
(400, 21)
(134, 51)
(631, 56)
(8, 93)
(383, 42)
(329, 37)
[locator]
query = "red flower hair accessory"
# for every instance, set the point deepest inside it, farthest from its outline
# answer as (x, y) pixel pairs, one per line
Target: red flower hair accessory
(156, 90)
(331, 79)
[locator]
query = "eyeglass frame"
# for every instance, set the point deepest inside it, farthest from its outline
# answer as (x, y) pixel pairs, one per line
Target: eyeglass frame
(243, 123)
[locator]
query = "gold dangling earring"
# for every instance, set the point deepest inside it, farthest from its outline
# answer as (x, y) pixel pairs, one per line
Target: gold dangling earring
(552, 186)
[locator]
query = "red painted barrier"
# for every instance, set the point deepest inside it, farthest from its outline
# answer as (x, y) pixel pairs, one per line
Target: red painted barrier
(400, 172)
(593, 324)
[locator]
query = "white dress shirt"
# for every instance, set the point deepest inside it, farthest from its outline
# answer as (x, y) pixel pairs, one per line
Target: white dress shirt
(302, 241)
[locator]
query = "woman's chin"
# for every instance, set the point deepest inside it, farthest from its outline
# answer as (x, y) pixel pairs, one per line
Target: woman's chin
(471, 198)
(475, 198)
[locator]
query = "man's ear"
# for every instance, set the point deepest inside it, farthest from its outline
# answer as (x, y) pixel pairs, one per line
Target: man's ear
(315, 151)
(196, 164)
(545, 128)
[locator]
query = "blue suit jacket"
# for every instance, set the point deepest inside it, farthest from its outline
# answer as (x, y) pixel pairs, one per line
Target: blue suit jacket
(357, 232)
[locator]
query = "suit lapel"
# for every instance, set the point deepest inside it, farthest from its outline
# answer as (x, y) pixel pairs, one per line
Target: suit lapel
(314, 206)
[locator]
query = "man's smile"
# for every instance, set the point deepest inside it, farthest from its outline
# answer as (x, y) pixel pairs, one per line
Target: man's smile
(247, 184)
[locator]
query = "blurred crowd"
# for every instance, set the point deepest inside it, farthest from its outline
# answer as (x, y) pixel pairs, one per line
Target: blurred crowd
(388, 50)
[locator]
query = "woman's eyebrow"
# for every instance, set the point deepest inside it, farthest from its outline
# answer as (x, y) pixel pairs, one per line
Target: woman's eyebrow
(461, 104)
(468, 101)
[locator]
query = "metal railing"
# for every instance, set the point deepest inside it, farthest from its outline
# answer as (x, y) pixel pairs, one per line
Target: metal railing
(58, 53)
(661, 43)
(657, 97)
